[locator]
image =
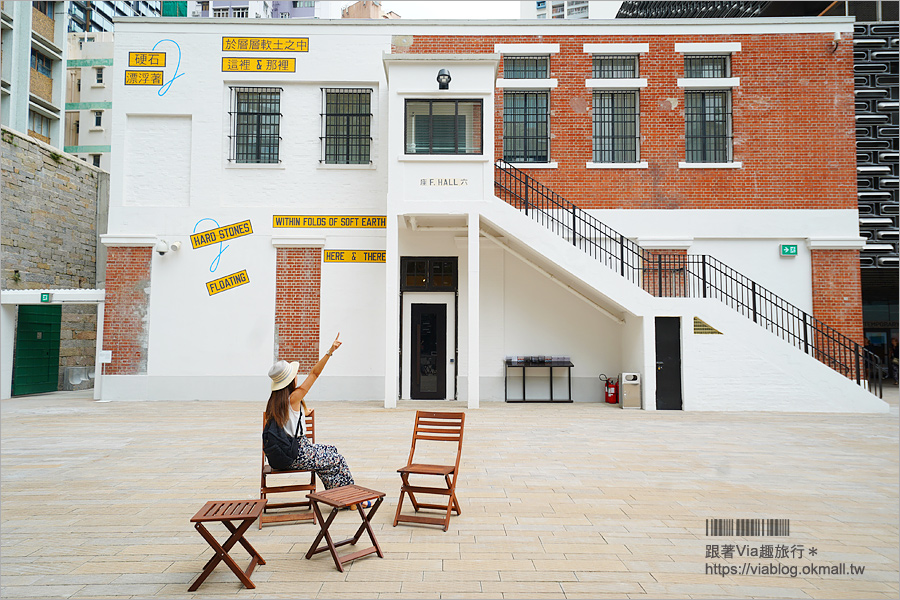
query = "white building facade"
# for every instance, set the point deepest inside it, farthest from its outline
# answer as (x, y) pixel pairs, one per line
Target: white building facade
(276, 183)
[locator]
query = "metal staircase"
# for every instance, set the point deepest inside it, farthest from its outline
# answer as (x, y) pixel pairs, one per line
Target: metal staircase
(672, 275)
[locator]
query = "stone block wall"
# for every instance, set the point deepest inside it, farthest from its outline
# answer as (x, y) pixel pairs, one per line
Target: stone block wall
(53, 210)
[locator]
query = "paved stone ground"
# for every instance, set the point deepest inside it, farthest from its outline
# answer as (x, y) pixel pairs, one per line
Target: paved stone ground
(559, 501)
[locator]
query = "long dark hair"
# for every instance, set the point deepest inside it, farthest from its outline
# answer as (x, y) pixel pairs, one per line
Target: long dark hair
(279, 401)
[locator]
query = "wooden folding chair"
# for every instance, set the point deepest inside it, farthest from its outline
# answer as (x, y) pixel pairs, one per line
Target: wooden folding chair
(272, 514)
(437, 427)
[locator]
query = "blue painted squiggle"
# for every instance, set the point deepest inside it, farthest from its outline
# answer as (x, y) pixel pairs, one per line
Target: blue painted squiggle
(215, 263)
(165, 88)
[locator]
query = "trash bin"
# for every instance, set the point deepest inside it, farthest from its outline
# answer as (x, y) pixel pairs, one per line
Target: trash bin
(630, 390)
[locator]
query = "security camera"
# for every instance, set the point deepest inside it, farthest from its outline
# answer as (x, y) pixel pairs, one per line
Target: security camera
(162, 247)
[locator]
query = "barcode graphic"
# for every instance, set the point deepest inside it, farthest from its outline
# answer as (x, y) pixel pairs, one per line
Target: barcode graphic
(748, 527)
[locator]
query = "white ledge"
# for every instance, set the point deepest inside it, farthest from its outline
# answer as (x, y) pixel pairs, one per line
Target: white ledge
(728, 165)
(548, 165)
(443, 158)
(525, 49)
(133, 241)
(857, 243)
(638, 165)
(616, 48)
(57, 296)
(708, 83)
(708, 48)
(526, 84)
(297, 241)
(616, 84)
(665, 243)
(346, 167)
(270, 166)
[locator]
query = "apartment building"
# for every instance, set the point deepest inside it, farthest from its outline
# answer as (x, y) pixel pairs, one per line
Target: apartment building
(457, 199)
(32, 84)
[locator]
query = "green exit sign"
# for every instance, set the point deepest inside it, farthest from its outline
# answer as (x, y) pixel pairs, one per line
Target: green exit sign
(789, 249)
(45, 296)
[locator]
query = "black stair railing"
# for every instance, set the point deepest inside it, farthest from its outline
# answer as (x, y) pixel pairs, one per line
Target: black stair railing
(689, 276)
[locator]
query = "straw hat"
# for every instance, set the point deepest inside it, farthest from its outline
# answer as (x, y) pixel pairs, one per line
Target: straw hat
(282, 373)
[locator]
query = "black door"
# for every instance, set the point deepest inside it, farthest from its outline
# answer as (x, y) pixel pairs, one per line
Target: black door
(429, 352)
(668, 363)
(36, 363)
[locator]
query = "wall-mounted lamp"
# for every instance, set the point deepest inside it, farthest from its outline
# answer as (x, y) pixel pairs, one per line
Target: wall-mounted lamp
(443, 79)
(835, 42)
(162, 247)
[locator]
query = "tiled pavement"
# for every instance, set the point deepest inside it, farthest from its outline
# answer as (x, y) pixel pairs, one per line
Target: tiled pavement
(559, 501)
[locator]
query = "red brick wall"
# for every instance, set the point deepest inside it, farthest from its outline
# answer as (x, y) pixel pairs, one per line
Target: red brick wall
(836, 295)
(670, 264)
(125, 312)
(298, 275)
(793, 124)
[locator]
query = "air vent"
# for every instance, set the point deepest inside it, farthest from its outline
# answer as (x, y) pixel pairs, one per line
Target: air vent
(703, 328)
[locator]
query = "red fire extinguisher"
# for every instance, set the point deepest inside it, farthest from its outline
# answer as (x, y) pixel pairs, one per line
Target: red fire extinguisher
(610, 389)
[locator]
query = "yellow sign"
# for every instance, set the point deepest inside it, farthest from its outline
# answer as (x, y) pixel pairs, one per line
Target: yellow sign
(228, 282)
(146, 59)
(336, 221)
(143, 77)
(260, 44)
(259, 65)
(227, 232)
(355, 256)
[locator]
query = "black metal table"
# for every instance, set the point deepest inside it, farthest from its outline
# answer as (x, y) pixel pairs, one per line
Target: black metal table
(551, 364)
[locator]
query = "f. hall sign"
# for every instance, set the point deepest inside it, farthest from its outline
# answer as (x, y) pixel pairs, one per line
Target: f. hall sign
(443, 182)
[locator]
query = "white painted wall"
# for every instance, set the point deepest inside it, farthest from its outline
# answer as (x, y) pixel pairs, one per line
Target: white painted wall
(7, 346)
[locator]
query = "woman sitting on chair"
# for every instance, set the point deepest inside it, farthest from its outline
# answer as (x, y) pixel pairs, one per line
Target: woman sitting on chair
(287, 405)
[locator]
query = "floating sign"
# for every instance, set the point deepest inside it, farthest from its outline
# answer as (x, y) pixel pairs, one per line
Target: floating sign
(263, 44)
(226, 232)
(789, 249)
(227, 283)
(335, 221)
(146, 59)
(259, 65)
(143, 77)
(355, 256)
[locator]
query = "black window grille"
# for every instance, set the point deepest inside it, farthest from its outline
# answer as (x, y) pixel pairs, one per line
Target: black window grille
(526, 127)
(708, 126)
(615, 67)
(255, 125)
(717, 65)
(526, 67)
(443, 127)
(347, 123)
(616, 135)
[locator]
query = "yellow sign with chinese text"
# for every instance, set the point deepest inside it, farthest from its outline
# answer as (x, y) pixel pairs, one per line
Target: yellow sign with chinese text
(228, 282)
(354, 256)
(259, 65)
(264, 44)
(143, 77)
(146, 59)
(334, 221)
(220, 234)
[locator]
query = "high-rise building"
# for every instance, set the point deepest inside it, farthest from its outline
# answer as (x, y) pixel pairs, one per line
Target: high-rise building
(242, 9)
(365, 9)
(33, 68)
(87, 15)
(566, 9)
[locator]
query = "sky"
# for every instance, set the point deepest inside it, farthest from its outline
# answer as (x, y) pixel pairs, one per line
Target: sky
(466, 10)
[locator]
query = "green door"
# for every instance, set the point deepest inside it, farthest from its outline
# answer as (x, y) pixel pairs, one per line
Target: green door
(36, 362)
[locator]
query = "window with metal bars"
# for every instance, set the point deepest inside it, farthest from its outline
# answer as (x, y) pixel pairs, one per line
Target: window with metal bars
(346, 124)
(616, 135)
(615, 67)
(255, 124)
(526, 67)
(707, 119)
(716, 65)
(526, 127)
(443, 127)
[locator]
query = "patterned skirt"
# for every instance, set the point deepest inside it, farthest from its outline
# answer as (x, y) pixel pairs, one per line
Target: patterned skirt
(325, 460)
